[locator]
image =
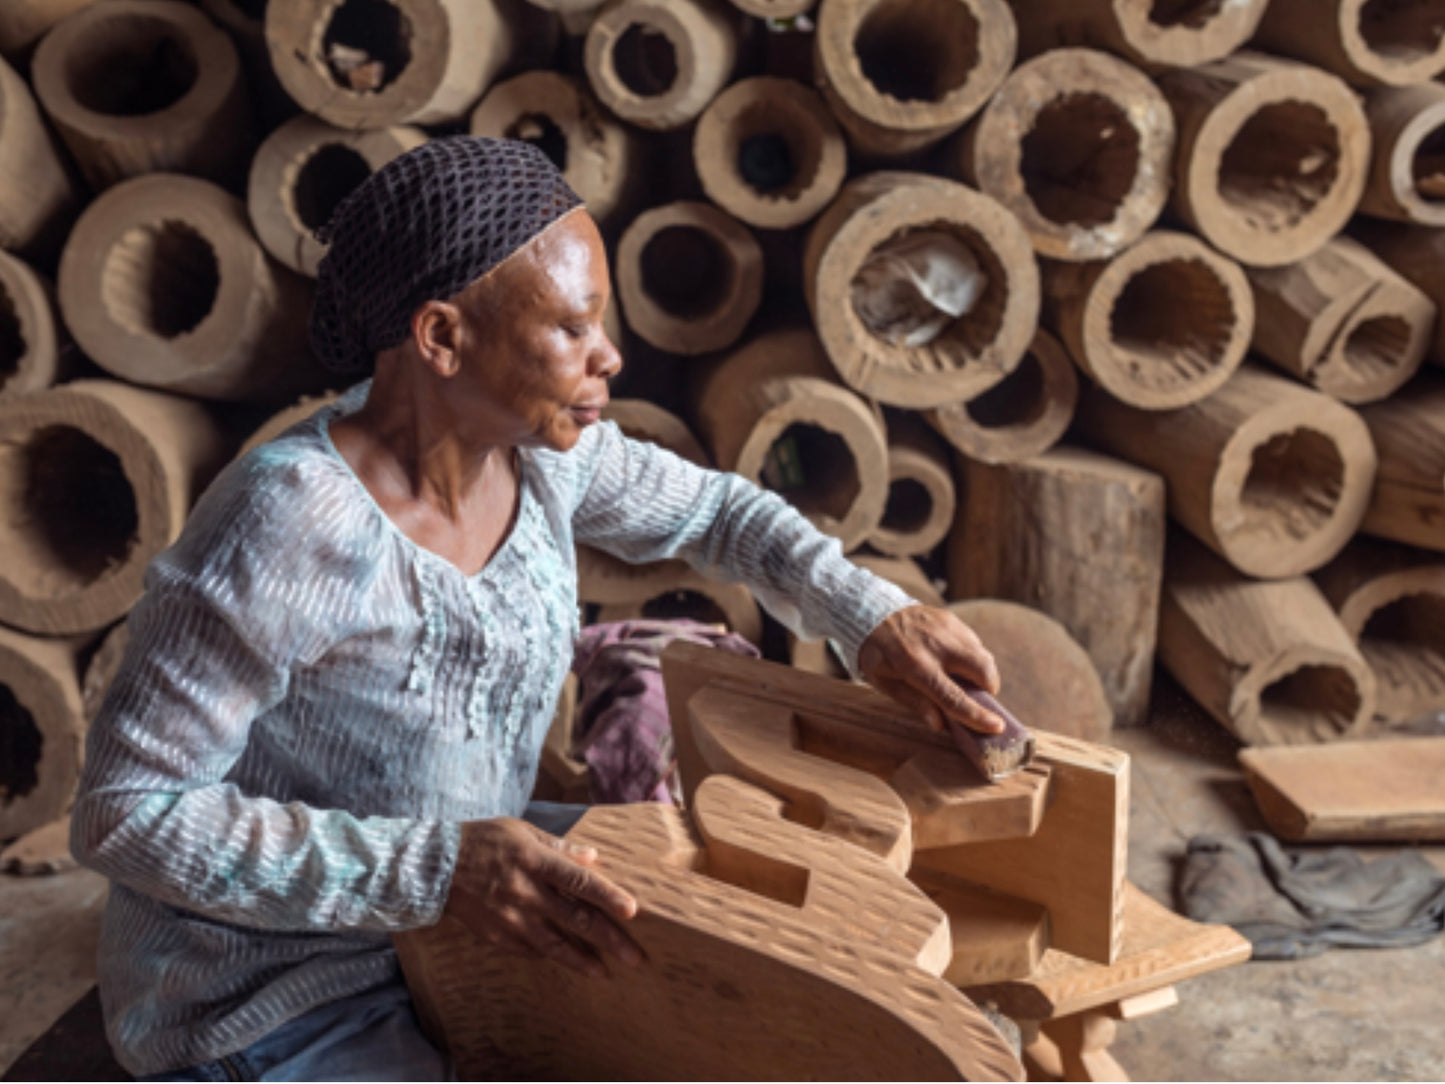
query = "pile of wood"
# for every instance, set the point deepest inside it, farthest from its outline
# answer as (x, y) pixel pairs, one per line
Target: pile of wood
(988, 286)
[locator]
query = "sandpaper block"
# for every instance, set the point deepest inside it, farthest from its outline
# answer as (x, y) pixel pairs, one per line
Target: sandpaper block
(996, 755)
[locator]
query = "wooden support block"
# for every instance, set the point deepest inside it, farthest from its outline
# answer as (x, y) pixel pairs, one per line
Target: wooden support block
(995, 937)
(1132, 1008)
(1381, 790)
(947, 805)
(1083, 1042)
(1363, 41)
(1153, 36)
(1407, 503)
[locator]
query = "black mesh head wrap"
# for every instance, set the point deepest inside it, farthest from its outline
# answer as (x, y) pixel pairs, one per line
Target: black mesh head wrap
(422, 228)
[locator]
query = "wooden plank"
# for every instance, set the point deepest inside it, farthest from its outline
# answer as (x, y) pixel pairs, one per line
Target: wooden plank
(1369, 790)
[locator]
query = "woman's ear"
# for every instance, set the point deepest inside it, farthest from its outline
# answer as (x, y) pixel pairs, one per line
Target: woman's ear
(436, 333)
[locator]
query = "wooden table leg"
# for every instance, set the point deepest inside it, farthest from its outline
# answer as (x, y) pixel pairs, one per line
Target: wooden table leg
(1083, 1045)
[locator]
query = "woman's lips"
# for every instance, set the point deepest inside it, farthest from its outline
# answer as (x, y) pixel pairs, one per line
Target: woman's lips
(587, 414)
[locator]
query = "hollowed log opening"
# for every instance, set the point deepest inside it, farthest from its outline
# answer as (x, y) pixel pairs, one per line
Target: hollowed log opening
(543, 133)
(814, 469)
(1191, 14)
(252, 9)
(1403, 30)
(161, 280)
(366, 45)
(1280, 164)
(1376, 347)
(1404, 643)
(1312, 703)
(1427, 167)
(917, 50)
(20, 747)
(13, 346)
(777, 156)
(72, 511)
(1079, 160)
(686, 271)
(130, 66)
(331, 174)
(671, 605)
(645, 60)
(909, 507)
(1015, 402)
(1293, 487)
(1177, 316)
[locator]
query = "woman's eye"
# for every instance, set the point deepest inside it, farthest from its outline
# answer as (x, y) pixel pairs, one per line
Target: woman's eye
(575, 331)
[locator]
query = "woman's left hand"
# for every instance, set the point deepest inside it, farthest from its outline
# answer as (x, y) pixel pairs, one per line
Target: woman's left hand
(915, 654)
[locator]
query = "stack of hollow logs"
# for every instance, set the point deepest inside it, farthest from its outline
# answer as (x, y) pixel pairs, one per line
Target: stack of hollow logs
(1101, 320)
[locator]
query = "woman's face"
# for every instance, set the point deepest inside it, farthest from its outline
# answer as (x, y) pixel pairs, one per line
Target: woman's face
(534, 355)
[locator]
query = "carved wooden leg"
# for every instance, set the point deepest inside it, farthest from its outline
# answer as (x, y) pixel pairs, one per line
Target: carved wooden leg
(1041, 1054)
(1083, 1045)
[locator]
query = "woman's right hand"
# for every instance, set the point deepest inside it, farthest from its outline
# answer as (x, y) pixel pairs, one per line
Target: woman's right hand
(529, 893)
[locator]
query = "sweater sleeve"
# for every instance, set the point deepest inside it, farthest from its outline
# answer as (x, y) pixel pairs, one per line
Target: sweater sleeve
(228, 612)
(642, 503)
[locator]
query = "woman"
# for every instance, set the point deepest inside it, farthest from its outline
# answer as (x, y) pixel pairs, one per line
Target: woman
(338, 682)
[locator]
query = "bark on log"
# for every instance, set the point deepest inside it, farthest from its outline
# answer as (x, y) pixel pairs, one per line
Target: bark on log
(1162, 325)
(1077, 536)
(31, 337)
(1391, 600)
(1408, 430)
(774, 412)
(769, 152)
(145, 86)
(921, 497)
(817, 657)
(658, 63)
(42, 731)
(163, 283)
(1272, 476)
(597, 155)
(1272, 155)
(1079, 146)
(1152, 35)
(1342, 321)
(96, 478)
(1418, 254)
(900, 76)
(24, 22)
(1268, 659)
(1367, 42)
(689, 277)
(38, 199)
(975, 350)
(1407, 163)
(1024, 414)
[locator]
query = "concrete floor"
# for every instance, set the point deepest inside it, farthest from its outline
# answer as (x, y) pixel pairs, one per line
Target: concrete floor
(1358, 1015)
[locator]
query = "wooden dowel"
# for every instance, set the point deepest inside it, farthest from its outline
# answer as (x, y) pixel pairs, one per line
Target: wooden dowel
(921, 497)
(1078, 145)
(31, 336)
(1407, 162)
(1367, 42)
(38, 198)
(1271, 475)
(1153, 35)
(1407, 503)
(42, 730)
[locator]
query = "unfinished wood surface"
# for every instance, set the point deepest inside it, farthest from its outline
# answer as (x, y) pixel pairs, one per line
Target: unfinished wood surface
(1368, 42)
(1268, 659)
(1408, 430)
(1162, 325)
(1407, 167)
(141, 86)
(1079, 537)
(1391, 600)
(38, 198)
(1049, 681)
(96, 478)
(775, 413)
(24, 22)
(1272, 155)
(761, 964)
(1078, 145)
(42, 730)
(1271, 475)
(900, 76)
(1024, 414)
(1382, 790)
(995, 937)
(769, 152)
(163, 283)
(35, 351)
(1343, 321)
(658, 63)
(40, 852)
(1152, 35)
(300, 175)
(1418, 254)
(849, 247)
(921, 497)
(1159, 949)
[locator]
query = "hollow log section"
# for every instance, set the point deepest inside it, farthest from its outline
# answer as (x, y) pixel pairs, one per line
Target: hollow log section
(163, 283)
(780, 390)
(1418, 254)
(1024, 414)
(774, 9)
(689, 277)
(1391, 600)
(145, 86)
(245, 21)
(901, 75)
(1366, 42)
(303, 171)
(1152, 35)
(1162, 325)
(42, 730)
(428, 63)
(1026, 529)
(1272, 155)
(38, 199)
(1342, 321)
(1272, 476)
(97, 478)
(1079, 146)
(25, 22)
(1408, 429)
(978, 348)
(921, 496)
(691, 595)
(30, 333)
(658, 63)
(284, 419)
(1407, 165)
(769, 152)
(598, 156)
(816, 657)
(100, 671)
(1268, 659)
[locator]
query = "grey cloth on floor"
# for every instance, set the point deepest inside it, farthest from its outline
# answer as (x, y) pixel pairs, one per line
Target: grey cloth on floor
(1298, 902)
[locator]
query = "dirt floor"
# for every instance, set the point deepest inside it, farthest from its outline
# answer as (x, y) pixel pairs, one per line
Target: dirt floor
(1347, 1015)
